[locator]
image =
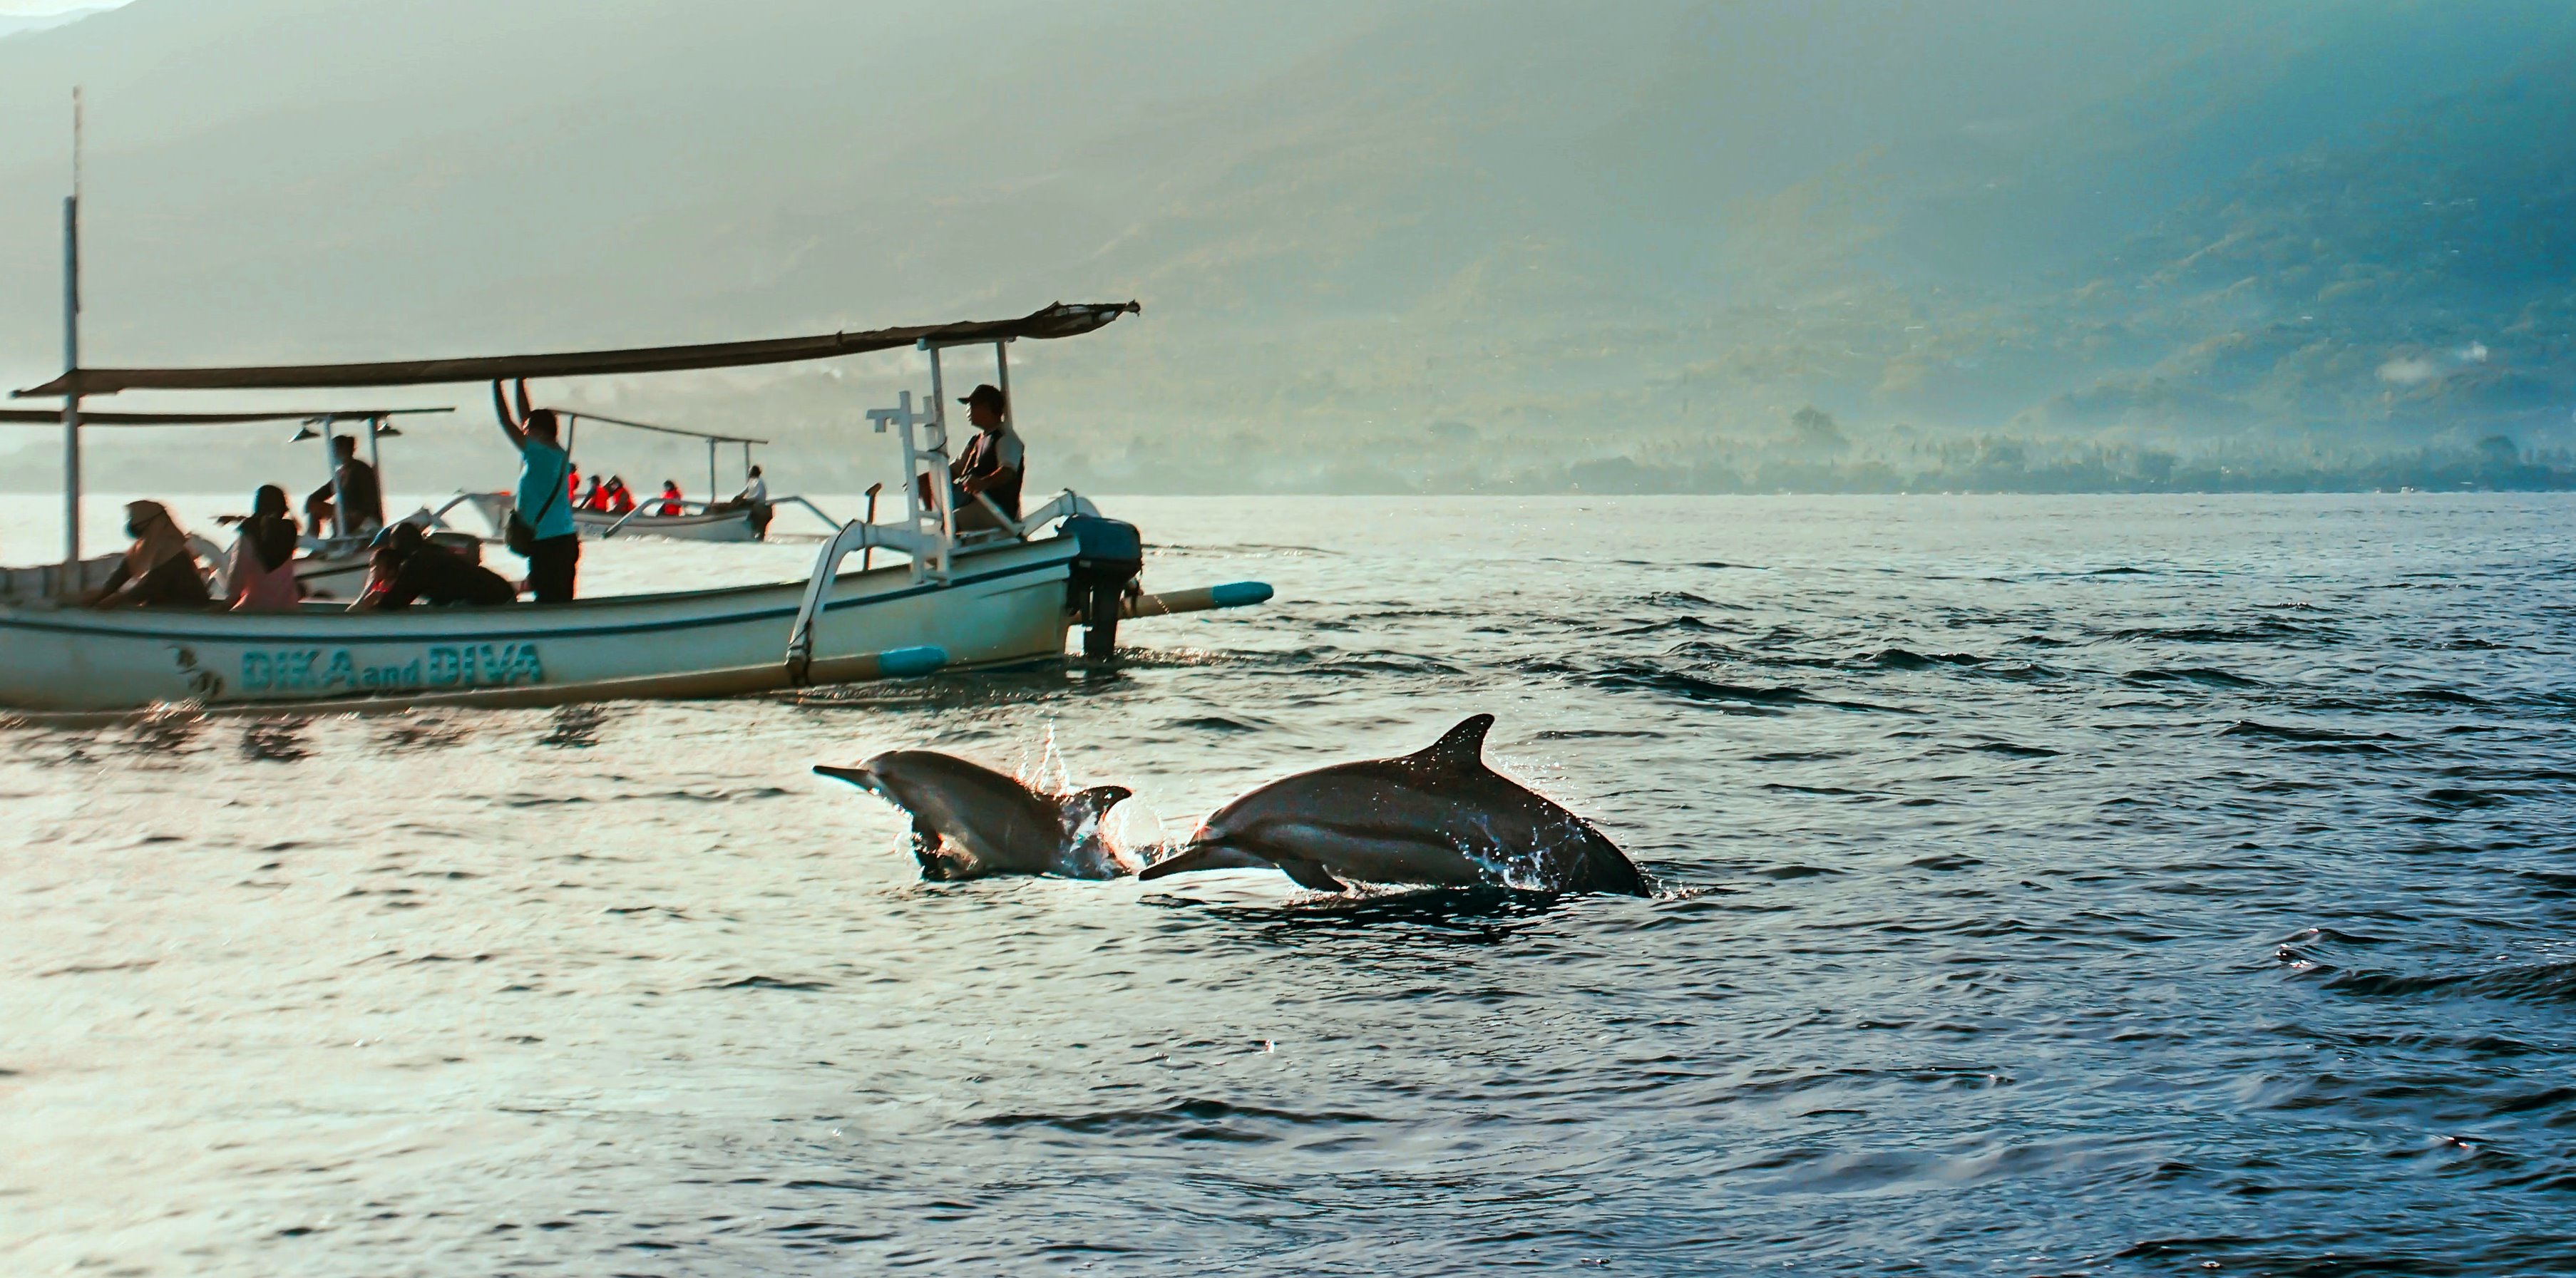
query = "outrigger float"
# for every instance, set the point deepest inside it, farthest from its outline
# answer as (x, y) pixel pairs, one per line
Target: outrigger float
(986, 599)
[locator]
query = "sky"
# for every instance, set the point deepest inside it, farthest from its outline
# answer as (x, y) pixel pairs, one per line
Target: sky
(1373, 239)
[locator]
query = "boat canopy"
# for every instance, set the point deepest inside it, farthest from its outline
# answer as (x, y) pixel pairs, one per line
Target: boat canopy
(1057, 320)
(54, 417)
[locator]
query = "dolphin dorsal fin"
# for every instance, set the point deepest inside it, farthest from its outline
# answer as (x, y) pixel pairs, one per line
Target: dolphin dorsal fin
(1460, 747)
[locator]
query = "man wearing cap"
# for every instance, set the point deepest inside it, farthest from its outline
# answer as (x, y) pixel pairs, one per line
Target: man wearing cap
(991, 464)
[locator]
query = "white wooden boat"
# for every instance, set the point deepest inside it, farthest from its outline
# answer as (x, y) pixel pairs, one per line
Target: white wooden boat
(697, 525)
(946, 601)
(999, 606)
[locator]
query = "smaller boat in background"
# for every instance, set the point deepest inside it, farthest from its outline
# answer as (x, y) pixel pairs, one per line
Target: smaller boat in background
(709, 519)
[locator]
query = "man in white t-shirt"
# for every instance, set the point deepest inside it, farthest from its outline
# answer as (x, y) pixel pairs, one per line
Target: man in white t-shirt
(992, 463)
(753, 499)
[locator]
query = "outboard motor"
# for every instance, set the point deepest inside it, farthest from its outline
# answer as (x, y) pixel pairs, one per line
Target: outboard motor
(1110, 555)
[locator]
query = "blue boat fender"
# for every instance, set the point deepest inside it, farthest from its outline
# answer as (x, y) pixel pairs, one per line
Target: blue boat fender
(905, 663)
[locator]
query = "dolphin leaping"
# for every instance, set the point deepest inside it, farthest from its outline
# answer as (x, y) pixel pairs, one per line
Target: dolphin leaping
(1438, 816)
(969, 822)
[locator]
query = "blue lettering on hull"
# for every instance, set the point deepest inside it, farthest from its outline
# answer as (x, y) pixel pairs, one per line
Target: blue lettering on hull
(314, 670)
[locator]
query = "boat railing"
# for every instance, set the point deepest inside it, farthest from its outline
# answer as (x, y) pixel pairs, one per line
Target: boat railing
(922, 546)
(1063, 505)
(622, 521)
(817, 511)
(854, 536)
(481, 502)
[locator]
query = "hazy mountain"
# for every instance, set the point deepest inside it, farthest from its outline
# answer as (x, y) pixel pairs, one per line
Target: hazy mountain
(21, 23)
(1379, 244)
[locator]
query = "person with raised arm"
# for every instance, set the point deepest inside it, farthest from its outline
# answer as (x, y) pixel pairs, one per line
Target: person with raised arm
(541, 526)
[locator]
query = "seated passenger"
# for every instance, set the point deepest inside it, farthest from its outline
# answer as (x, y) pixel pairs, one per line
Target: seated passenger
(621, 501)
(262, 575)
(991, 465)
(670, 499)
(752, 502)
(353, 501)
(407, 567)
(158, 570)
(319, 513)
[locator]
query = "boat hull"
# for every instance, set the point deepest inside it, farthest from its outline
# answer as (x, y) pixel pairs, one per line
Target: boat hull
(730, 525)
(341, 578)
(1000, 607)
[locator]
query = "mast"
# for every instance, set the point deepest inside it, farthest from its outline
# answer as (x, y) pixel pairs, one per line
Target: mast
(71, 366)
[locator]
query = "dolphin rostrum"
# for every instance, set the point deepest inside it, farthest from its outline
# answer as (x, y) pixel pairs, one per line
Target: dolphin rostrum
(969, 821)
(1438, 816)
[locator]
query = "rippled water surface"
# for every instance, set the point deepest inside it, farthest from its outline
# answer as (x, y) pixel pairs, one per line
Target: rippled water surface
(2050, 886)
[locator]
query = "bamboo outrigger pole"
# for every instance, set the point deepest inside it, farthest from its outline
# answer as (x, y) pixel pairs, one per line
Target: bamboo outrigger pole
(71, 366)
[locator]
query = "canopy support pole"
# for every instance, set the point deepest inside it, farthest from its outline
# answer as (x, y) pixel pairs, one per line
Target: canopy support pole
(943, 489)
(331, 471)
(1002, 370)
(71, 366)
(711, 470)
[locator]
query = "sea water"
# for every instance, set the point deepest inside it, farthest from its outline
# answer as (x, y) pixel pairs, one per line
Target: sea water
(2047, 885)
